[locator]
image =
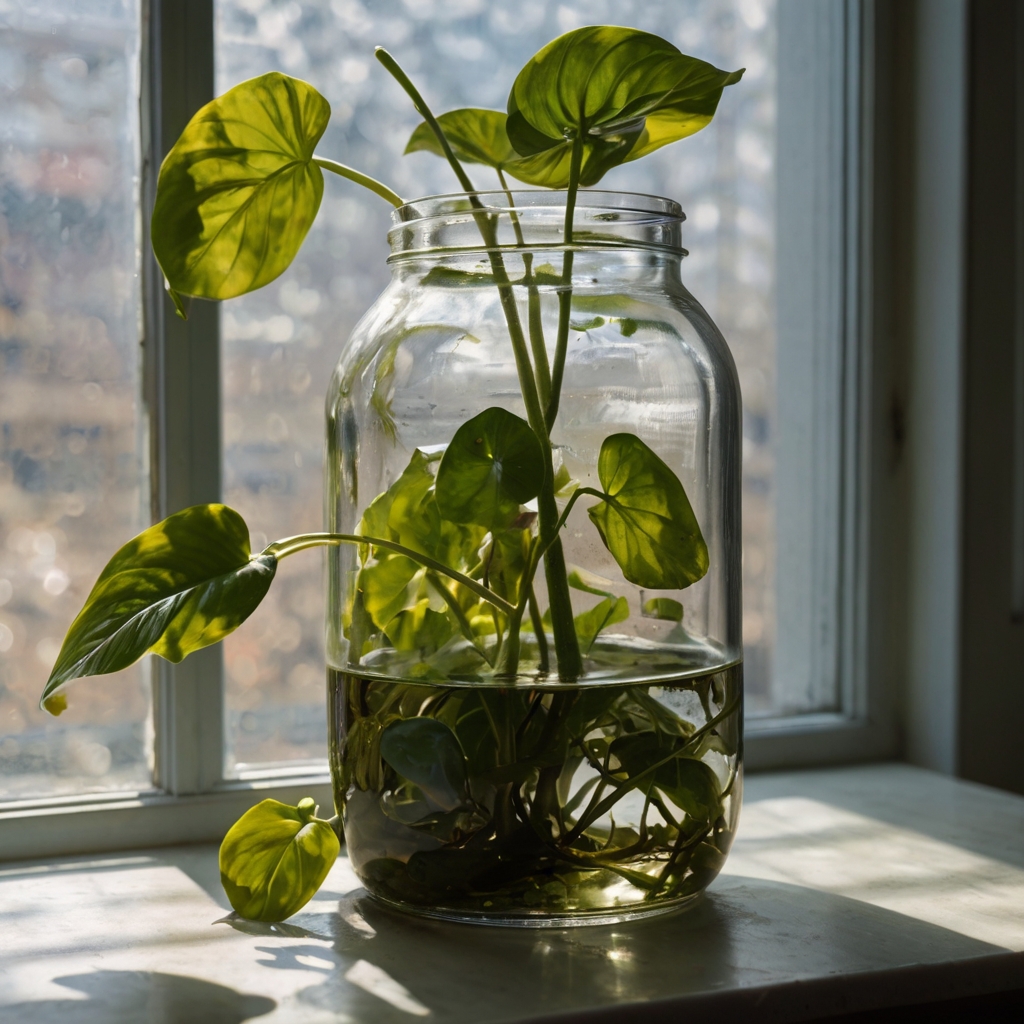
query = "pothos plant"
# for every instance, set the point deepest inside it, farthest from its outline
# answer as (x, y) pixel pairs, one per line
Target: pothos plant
(235, 198)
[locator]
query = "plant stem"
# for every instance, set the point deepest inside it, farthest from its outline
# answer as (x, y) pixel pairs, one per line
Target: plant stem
(577, 494)
(360, 179)
(538, 631)
(570, 662)
(567, 649)
(460, 616)
(290, 545)
(536, 326)
(565, 295)
(396, 72)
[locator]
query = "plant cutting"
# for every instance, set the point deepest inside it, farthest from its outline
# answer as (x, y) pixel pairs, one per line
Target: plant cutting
(532, 453)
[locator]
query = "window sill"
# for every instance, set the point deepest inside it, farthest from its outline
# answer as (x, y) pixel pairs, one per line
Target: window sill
(848, 890)
(102, 822)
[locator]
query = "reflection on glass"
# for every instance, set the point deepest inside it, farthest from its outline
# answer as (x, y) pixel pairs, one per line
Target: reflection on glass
(71, 429)
(280, 344)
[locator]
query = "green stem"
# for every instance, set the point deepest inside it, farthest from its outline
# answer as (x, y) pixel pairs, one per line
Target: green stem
(565, 294)
(536, 326)
(538, 631)
(360, 179)
(396, 72)
(570, 661)
(460, 616)
(290, 545)
(576, 495)
(567, 649)
(508, 657)
(681, 846)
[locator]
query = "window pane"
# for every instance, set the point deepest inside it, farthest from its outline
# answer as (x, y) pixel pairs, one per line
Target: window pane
(72, 442)
(281, 344)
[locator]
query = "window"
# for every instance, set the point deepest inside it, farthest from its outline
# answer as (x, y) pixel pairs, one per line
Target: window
(775, 191)
(72, 426)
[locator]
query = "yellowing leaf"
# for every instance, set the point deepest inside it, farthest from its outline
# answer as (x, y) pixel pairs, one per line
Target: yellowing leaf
(56, 705)
(239, 190)
(275, 857)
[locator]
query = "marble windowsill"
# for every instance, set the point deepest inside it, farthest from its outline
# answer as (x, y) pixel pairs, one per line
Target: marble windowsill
(848, 889)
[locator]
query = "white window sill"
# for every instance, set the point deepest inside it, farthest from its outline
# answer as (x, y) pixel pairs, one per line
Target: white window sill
(848, 890)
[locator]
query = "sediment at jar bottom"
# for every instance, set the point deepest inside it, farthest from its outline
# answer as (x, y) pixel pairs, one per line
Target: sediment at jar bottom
(510, 803)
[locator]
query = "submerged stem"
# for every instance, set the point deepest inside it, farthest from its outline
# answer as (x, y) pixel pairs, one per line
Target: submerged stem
(631, 783)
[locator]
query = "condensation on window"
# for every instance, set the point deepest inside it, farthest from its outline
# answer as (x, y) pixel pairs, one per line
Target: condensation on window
(72, 466)
(280, 345)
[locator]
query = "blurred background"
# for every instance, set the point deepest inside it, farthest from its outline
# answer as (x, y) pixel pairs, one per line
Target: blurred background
(73, 473)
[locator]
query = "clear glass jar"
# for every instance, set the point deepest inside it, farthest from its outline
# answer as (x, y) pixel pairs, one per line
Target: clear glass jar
(561, 790)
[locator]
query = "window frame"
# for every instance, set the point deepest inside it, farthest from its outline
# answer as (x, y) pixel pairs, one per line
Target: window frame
(852, 579)
(192, 799)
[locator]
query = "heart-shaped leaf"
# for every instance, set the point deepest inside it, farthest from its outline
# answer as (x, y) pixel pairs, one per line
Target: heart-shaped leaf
(239, 189)
(476, 136)
(646, 521)
(178, 586)
(427, 753)
(275, 857)
(493, 465)
(623, 91)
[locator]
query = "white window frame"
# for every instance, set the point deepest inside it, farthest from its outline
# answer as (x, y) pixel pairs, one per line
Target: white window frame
(860, 591)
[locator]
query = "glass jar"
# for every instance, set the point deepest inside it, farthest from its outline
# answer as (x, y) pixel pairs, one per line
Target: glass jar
(587, 766)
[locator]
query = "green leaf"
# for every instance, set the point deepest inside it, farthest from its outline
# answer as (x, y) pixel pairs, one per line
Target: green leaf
(385, 587)
(646, 521)
(239, 189)
(506, 558)
(395, 590)
(275, 857)
(476, 136)
(419, 628)
(604, 614)
(625, 92)
(662, 608)
(493, 464)
(564, 484)
(178, 586)
(426, 753)
(589, 582)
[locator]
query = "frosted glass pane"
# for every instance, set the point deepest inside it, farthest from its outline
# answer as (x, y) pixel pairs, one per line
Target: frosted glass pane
(281, 344)
(72, 467)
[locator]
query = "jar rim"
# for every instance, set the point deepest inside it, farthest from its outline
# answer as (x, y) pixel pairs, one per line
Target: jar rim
(634, 202)
(533, 219)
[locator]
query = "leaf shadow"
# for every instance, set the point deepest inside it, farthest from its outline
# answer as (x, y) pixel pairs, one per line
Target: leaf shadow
(127, 997)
